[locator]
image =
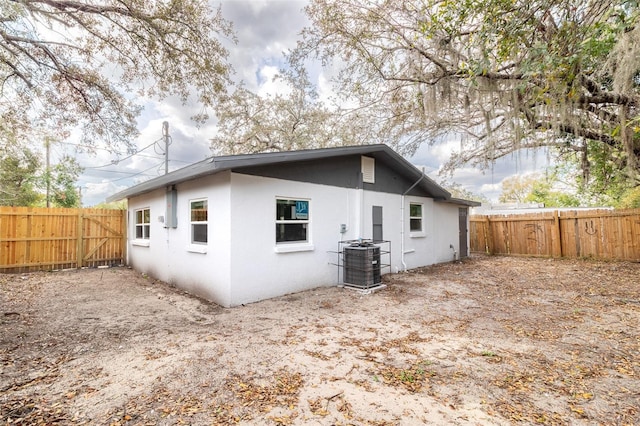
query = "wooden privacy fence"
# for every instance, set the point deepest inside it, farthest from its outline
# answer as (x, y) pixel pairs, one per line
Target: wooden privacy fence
(601, 234)
(56, 238)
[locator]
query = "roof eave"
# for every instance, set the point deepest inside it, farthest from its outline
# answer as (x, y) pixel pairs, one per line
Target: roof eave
(215, 165)
(461, 202)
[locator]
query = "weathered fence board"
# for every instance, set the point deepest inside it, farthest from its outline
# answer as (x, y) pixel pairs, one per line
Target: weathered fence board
(601, 234)
(56, 238)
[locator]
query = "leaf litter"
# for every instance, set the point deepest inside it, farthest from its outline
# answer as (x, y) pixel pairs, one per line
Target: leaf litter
(491, 340)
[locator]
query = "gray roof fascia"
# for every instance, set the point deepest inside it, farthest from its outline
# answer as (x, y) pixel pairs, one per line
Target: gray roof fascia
(192, 171)
(215, 165)
(461, 202)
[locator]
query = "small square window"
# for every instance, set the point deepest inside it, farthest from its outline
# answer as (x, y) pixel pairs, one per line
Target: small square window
(199, 216)
(415, 217)
(143, 224)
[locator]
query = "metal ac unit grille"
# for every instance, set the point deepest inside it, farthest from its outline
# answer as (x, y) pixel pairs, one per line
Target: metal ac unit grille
(362, 265)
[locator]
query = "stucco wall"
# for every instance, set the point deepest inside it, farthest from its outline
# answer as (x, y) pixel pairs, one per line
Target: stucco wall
(419, 246)
(170, 256)
(242, 263)
(446, 232)
(143, 254)
(260, 268)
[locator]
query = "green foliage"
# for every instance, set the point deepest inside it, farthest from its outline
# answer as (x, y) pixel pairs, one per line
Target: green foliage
(62, 178)
(516, 189)
(536, 188)
(25, 180)
(599, 172)
(542, 192)
(114, 205)
(506, 75)
(630, 199)
(18, 174)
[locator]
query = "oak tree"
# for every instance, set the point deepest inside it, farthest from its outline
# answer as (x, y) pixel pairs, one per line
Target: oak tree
(504, 75)
(69, 66)
(294, 118)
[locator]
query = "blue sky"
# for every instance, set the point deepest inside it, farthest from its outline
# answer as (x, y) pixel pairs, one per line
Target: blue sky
(265, 29)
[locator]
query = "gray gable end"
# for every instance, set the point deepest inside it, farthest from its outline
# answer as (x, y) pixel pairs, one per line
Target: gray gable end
(344, 172)
(339, 167)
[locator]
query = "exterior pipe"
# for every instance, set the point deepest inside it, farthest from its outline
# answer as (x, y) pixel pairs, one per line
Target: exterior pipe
(404, 264)
(360, 206)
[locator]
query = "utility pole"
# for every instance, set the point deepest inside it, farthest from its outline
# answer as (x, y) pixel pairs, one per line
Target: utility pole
(165, 135)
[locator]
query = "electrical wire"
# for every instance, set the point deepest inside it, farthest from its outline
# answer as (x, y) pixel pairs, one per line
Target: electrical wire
(162, 150)
(156, 145)
(116, 171)
(115, 162)
(139, 173)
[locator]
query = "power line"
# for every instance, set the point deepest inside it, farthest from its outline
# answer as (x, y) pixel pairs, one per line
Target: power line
(125, 158)
(140, 173)
(115, 171)
(84, 146)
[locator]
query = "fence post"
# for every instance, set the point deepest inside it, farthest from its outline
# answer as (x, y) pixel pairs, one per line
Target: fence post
(28, 240)
(489, 237)
(80, 244)
(557, 248)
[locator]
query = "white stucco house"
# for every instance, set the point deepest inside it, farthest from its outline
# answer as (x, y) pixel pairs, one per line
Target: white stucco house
(243, 228)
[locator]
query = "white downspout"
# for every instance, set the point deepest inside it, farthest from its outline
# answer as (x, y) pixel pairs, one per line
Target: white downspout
(402, 232)
(404, 265)
(360, 203)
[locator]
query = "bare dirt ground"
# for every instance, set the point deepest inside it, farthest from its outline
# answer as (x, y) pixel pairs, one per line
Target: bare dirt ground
(492, 340)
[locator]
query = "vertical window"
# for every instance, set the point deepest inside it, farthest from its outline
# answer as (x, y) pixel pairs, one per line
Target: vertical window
(292, 220)
(143, 224)
(415, 217)
(199, 220)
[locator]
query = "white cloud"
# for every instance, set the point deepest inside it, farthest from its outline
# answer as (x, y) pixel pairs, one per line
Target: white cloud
(99, 191)
(265, 29)
(269, 86)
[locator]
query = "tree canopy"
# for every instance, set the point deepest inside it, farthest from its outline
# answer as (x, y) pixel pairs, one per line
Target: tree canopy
(294, 118)
(18, 174)
(538, 188)
(26, 181)
(68, 65)
(504, 75)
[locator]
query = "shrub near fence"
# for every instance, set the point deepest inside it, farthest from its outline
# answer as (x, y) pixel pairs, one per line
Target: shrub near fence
(601, 234)
(55, 238)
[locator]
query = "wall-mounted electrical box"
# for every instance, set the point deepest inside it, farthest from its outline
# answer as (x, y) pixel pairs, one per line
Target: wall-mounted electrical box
(171, 218)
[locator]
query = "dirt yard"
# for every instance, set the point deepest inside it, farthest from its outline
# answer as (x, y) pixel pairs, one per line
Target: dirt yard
(492, 340)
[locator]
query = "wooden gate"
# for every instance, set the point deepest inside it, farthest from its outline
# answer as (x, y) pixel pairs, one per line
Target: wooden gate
(56, 238)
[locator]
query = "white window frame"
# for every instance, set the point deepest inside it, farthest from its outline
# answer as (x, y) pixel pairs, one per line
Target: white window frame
(297, 245)
(145, 227)
(416, 232)
(193, 223)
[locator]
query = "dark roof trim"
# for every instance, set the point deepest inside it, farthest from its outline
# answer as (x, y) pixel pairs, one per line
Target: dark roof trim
(215, 165)
(461, 202)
